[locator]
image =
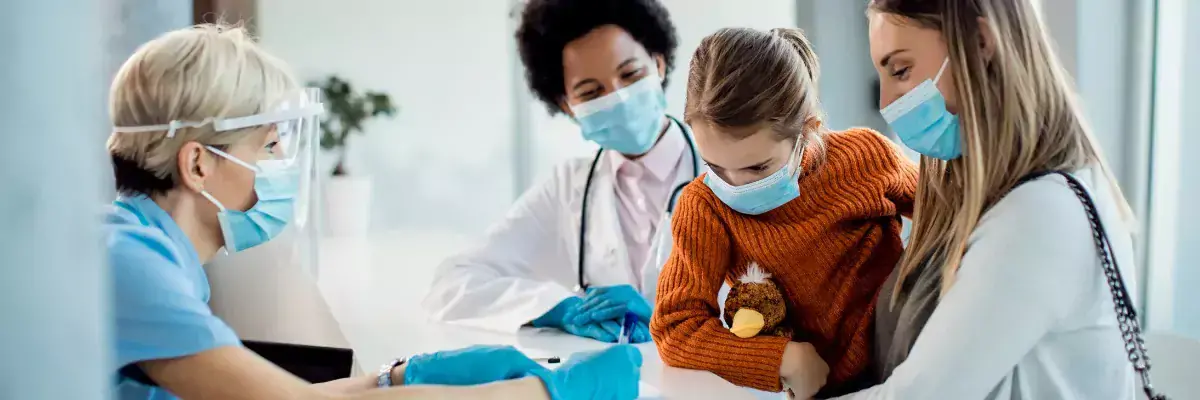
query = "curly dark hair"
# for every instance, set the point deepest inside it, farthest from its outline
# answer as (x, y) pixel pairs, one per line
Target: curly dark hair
(548, 25)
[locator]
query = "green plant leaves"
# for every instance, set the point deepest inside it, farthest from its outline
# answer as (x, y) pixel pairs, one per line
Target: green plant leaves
(349, 111)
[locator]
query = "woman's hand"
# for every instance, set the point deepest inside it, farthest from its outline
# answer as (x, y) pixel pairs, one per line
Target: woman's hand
(470, 366)
(803, 371)
(604, 303)
(612, 373)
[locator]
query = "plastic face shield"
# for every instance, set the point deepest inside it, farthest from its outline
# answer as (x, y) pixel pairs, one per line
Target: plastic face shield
(296, 121)
(295, 118)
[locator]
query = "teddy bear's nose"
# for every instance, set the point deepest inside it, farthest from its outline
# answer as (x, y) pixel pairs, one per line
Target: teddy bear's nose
(746, 323)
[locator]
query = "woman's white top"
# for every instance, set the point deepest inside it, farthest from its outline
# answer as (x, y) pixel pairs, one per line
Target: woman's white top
(1030, 315)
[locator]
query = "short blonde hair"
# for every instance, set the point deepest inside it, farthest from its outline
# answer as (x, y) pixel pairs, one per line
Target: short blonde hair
(191, 74)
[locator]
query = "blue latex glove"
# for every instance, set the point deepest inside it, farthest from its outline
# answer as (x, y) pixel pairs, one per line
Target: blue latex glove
(562, 316)
(610, 374)
(641, 333)
(470, 366)
(611, 302)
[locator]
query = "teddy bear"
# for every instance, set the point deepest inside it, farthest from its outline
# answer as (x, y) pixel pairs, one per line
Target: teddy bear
(755, 305)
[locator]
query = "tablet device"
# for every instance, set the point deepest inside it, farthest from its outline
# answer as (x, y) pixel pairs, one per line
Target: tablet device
(315, 364)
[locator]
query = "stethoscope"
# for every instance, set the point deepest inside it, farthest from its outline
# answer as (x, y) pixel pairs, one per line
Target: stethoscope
(587, 186)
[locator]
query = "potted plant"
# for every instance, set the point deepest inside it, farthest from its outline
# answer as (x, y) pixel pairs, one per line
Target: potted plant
(347, 197)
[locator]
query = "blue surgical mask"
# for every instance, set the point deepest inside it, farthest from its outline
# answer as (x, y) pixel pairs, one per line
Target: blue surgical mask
(763, 195)
(276, 183)
(923, 123)
(628, 120)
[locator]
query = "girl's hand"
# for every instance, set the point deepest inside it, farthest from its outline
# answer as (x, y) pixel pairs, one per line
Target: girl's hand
(803, 371)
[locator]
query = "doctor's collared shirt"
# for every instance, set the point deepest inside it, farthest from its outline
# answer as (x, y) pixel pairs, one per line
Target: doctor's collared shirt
(642, 188)
(160, 293)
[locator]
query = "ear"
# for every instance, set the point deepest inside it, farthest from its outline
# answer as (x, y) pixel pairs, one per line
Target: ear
(662, 65)
(195, 165)
(566, 109)
(987, 40)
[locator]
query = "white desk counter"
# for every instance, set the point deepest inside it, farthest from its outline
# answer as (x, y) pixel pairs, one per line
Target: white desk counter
(374, 288)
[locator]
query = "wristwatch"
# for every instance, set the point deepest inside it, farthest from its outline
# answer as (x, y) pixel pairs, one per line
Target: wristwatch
(385, 372)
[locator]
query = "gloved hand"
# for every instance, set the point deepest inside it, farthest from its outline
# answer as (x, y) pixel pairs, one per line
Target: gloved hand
(612, 302)
(562, 316)
(610, 374)
(470, 366)
(641, 333)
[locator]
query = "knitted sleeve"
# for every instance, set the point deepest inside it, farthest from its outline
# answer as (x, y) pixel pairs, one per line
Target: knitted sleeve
(686, 325)
(883, 163)
(902, 179)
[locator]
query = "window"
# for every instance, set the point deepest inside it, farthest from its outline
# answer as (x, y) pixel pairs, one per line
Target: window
(1173, 245)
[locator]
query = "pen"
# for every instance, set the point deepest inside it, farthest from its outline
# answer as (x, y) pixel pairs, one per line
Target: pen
(627, 324)
(548, 360)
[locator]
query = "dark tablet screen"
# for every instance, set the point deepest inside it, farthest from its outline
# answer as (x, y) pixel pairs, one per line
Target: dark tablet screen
(315, 364)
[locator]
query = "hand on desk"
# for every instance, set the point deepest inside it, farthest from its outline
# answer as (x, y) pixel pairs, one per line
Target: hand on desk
(612, 302)
(470, 366)
(613, 374)
(566, 316)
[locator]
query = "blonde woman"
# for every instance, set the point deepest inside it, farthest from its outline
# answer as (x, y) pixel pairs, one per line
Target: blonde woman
(1000, 293)
(207, 131)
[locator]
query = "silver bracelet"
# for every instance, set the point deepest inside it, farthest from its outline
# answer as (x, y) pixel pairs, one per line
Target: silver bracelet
(384, 379)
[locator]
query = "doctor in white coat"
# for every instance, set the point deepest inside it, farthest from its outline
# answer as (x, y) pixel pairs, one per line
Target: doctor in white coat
(583, 248)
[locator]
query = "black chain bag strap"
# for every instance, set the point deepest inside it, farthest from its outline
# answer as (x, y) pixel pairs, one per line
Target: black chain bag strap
(1131, 330)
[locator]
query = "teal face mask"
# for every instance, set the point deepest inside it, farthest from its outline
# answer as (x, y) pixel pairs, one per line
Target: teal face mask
(922, 122)
(276, 183)
(627, 120)
(763, 195)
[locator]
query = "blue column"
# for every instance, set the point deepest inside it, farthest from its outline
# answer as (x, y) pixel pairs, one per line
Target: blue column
(54, 325)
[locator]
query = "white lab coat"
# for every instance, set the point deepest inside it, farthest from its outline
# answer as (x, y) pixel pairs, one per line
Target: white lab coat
(529, 262)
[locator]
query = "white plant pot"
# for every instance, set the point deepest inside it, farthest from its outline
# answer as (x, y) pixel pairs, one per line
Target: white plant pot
(347, 202)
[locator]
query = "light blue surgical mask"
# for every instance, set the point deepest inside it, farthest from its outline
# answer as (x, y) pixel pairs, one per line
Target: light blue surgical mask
(923, 123)
(276, 183)
(628, 120)
(763, 195)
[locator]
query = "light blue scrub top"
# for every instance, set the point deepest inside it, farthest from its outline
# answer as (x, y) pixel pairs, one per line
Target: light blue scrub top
(160, 293)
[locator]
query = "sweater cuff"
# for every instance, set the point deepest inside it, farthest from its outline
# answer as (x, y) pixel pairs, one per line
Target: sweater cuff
(752, 362)
(766, 352)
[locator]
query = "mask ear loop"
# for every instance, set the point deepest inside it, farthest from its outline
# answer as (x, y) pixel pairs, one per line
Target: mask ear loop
(212, 199)
(941, 70)
(235, 160)
(797, 157)
(811, 125)
(221, 209)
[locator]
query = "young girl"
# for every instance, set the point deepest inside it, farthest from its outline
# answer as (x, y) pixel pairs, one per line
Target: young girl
(817, 210)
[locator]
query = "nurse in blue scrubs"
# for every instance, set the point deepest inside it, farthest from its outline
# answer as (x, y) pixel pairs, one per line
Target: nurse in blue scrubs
(208, 149)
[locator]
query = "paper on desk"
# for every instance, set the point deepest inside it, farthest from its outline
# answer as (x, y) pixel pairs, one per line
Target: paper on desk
(647, 391)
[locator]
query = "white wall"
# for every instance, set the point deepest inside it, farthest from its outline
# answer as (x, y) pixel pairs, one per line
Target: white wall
(838, 30)
(1176, 178)
(1187, 278)
(449, 161)
(443, 163)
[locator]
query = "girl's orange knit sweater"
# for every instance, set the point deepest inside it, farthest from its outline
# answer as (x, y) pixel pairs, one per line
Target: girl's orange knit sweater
(830, 250)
